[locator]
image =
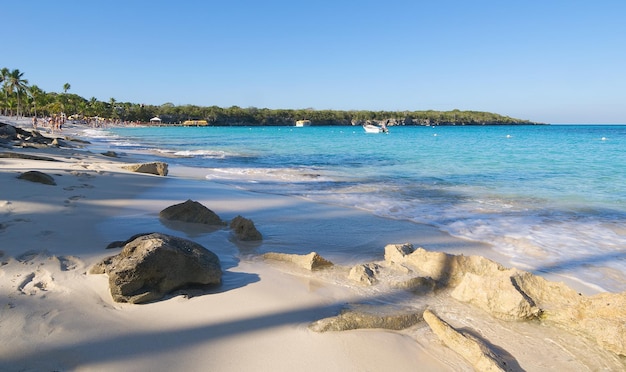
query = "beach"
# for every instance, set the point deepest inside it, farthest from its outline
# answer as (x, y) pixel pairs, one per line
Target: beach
(58, 316)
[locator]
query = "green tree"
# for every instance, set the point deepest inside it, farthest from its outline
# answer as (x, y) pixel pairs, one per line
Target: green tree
(36, 95)
(113, 108)
(18, 85)
(4, 78)
(66, 87)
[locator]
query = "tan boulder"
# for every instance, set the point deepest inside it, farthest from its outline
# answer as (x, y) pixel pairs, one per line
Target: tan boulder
(469, 347)
(311, 261)
(157, 167)
(496, 293)
(446, 268)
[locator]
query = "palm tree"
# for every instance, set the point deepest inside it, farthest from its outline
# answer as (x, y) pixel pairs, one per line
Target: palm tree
(4, 77)
(112, 103)
(66, 87)
(18, 85)
(35, 92)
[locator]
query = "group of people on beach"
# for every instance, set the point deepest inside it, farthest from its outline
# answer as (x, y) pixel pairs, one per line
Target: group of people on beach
(54, 123)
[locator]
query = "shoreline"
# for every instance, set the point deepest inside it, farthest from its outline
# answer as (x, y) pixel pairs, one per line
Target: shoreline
(65, 319)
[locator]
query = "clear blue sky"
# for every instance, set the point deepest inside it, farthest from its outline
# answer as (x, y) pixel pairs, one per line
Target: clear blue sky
(544, 60)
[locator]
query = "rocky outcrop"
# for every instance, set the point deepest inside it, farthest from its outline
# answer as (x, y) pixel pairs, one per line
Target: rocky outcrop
(158, 168)
(360, 319)
(446, 268)
(475, 279)
(311, 261)
(469, 347)
(153, 265)
(191, 211)
(244, 229)
(17, 155)
(19, 137)
(39, 177)
(512, 294)
(601, 317)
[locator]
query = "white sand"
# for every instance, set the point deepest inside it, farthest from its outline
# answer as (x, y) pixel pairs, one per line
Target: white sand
(55, 316)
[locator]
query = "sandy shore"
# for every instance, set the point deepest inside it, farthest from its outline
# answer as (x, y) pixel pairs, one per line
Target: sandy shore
(59, 317)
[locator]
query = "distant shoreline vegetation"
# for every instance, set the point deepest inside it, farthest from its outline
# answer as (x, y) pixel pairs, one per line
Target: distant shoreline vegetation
(20, 99)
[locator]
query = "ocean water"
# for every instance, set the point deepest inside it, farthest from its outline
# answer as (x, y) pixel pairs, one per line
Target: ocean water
(552, 198)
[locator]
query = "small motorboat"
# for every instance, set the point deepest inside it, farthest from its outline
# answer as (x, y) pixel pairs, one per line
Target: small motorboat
(371, 128)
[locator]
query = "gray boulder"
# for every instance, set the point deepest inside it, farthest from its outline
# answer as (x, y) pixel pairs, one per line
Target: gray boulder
(39, 177)
(191, 211)
(153, 265)
(8, 131)
(244, 229)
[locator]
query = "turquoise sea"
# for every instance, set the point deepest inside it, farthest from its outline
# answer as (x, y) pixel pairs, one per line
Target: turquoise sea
(549, 197)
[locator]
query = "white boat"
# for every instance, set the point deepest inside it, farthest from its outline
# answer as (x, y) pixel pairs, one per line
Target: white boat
(303, 123)
(371, 128)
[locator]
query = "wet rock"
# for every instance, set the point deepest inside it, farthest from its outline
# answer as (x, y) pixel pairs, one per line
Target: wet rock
(418, 285)
(512, 294)
(364, 273)
(470, 348)
(57, 142)
(244, 229)
(601, 317)
(111, 154)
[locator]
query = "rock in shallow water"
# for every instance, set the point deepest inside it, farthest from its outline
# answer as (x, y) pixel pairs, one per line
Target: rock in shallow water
(191, 211)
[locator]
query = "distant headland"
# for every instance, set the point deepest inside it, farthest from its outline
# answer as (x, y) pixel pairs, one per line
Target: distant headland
(22, 99)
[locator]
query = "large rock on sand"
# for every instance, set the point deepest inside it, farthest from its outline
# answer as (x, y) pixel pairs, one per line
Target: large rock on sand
(7, 131)
(157, 167)
(155, 264)
(191, 211)
(38, 177)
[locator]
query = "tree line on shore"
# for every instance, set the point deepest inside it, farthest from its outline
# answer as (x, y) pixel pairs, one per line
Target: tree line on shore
(20, 98)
